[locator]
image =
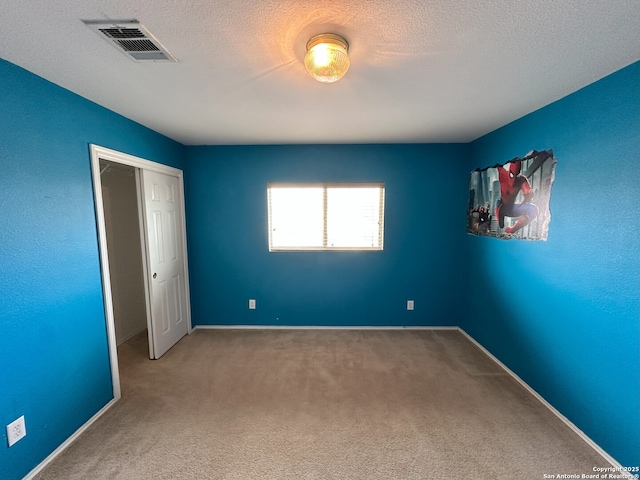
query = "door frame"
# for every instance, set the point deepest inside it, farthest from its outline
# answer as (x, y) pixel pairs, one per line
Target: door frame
(98, 153)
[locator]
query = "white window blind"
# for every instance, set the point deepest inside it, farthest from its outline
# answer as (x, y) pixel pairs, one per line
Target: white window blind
(328, 216)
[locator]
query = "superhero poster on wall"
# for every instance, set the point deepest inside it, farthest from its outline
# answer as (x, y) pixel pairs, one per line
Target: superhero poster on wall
(512, 200)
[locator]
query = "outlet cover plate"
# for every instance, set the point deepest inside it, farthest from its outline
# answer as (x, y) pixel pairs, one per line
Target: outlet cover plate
(16, 430)
(252, 304)
(410, 304)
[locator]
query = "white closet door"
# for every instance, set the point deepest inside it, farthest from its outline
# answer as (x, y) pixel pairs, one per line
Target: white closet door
(165, 251)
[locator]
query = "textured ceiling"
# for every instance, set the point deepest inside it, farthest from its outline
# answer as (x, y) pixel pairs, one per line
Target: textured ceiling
(421, 71)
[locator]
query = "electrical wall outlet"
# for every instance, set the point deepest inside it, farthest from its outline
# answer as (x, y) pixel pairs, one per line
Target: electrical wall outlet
(252, 304)
(409, 304)
(16, 430)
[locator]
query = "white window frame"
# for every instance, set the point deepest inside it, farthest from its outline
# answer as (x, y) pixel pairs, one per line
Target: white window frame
(325, 186)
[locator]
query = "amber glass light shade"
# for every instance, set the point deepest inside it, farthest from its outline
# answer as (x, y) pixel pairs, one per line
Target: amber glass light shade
(327, 58)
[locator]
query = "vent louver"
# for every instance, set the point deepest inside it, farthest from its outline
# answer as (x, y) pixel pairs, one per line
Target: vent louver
(132, 39)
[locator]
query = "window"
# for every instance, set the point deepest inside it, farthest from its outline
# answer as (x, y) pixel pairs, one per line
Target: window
(325, 216)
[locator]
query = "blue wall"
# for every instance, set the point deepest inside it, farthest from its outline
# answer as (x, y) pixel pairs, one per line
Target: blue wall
(563, 314)
(54, 364)
(229, 261)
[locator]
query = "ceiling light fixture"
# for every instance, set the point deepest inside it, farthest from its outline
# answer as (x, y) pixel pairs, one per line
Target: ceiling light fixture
(327, 59)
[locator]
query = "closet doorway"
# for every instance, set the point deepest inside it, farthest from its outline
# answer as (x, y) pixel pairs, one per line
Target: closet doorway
(142, 239)
(122, 227)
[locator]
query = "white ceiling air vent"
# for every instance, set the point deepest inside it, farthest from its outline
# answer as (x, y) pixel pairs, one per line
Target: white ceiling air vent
(132, 39)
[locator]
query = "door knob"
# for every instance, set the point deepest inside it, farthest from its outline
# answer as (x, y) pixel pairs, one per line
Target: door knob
(155, 275)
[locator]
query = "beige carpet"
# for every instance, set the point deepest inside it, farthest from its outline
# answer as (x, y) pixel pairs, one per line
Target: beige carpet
(321, 404)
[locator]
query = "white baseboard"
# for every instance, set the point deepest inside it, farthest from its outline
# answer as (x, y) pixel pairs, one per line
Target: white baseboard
(68, 441)
(130, 336)
(295, 327)
(553, 410)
